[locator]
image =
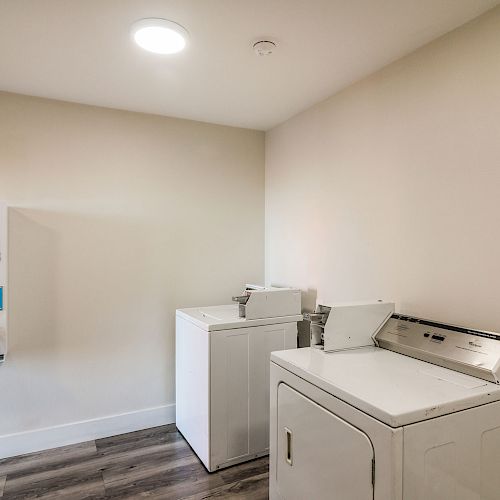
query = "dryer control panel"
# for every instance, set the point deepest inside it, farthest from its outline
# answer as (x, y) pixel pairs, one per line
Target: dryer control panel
(465, 350)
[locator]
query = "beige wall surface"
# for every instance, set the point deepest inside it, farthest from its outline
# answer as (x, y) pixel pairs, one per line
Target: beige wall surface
(391, 188)
(116, 219)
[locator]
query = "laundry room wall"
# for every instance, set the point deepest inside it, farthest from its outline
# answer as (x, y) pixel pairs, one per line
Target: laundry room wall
(390, 189)
(116, 219)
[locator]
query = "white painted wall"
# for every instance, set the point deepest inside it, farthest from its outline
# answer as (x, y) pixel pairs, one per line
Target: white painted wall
(391, 188)
(3, 280)
(116, 220)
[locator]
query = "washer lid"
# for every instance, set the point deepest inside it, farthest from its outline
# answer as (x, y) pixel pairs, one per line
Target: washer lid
(393, 388)
(213, 318)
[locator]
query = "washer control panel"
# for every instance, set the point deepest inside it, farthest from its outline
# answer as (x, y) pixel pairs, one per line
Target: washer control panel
(469, 351)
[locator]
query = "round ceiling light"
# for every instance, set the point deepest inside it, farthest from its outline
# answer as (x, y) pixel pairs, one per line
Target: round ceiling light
(160, 35)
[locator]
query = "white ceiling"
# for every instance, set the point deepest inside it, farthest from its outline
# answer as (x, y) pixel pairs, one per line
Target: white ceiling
(81, 50)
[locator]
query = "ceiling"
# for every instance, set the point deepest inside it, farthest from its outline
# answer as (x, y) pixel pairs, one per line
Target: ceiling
(81, 50)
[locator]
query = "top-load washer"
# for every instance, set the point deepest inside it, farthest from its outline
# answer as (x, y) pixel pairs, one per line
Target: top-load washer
(376, 423)
(222, 372)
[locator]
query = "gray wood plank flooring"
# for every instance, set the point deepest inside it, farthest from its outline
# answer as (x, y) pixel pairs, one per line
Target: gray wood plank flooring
(153, 463)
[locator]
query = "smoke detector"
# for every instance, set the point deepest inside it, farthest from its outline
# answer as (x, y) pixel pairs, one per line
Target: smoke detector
(264, 47)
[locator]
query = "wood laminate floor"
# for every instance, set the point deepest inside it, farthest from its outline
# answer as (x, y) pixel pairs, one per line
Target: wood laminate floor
(154, 463)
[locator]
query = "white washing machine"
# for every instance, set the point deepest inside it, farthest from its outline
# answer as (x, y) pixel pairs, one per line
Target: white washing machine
(375, 423)
(222, 376)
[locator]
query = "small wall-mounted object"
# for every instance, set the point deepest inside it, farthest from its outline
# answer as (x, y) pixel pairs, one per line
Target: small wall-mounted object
(3, 281)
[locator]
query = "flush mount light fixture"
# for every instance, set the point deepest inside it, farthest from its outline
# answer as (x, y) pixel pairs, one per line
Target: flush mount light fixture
(159, 35)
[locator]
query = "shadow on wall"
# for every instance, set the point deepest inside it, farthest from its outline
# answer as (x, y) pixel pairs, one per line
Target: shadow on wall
(308, 298)
(308, 305)
(90, 323)
(33, 249)
(77, 279)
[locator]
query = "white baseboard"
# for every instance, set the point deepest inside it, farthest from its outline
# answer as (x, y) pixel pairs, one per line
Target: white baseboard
(86, 430)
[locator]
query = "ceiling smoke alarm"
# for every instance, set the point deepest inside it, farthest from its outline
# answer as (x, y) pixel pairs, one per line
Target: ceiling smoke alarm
(264, 47)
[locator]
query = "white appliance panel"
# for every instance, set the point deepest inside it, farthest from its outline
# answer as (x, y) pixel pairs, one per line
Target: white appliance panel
(490, 463)
(386, 441)
(236, 381)
(353, 325)
(309, 435)
(456, 457)
(192, 376)
(222, 385)
(239, 390)
(272, 302)
(465, 350)
(263, 342)
(226, 317)
(396, 389)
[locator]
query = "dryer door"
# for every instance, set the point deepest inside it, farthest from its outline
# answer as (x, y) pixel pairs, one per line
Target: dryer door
(319, 455)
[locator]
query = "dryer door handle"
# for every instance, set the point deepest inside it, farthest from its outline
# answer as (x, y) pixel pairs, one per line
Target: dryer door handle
(288, 437)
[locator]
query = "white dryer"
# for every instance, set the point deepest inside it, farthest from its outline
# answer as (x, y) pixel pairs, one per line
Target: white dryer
(374, 424)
